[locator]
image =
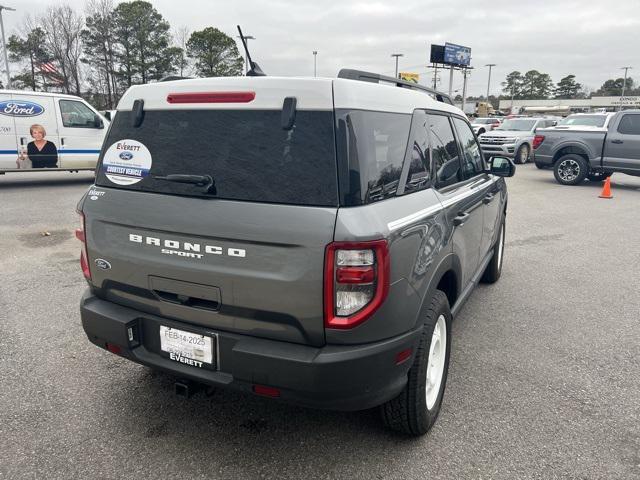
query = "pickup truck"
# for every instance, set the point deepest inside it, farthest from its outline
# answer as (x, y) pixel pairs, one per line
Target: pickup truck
(576, 155)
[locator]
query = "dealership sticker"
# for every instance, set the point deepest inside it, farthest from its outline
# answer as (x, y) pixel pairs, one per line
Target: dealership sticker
(126, 162)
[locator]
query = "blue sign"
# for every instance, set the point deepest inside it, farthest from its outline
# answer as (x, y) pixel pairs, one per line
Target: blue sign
(16, 108)
(457, 54)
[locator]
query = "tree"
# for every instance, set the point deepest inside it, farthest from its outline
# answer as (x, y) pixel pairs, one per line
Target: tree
(180, 38)
(98, 45)
(30, 47)
(513, 84)
(215, 53)
(536, 85)
(567, 87)
(63, 27)
(613, 87)
(142, 41)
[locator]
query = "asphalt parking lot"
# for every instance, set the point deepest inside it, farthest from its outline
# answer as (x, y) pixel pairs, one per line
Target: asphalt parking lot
(544, 379)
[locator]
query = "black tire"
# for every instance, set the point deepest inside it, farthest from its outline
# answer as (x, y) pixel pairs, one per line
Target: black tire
(494, 269)
(523, 151)
(570, 169)
(408, 412)
(540, 166)
(598, 176)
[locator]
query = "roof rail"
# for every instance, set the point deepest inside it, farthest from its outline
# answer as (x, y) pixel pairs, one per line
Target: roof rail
(362, 76)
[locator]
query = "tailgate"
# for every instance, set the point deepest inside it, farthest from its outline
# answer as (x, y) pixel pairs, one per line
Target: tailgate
(243, 267)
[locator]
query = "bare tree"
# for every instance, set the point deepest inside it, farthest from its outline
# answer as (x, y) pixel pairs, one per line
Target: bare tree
(62, 28)
(180, 39)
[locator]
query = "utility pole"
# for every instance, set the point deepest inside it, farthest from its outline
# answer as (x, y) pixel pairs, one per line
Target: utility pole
(4, 43)
(624, 84)
(450, 80)
(435, 77)
(315, 65)
(397, 55)
(490, 65)
(246, 60)
(464, 88)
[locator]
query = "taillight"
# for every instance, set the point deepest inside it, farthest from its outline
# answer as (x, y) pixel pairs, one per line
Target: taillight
(537, 141)
(81, 234)
(356, 281)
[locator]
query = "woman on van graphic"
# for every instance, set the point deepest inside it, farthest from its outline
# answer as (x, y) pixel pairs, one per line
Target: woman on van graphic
(40, 153)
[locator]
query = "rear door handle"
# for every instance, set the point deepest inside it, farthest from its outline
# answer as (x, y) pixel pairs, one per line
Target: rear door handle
(617, 141)
(488, 198)
(460, 219)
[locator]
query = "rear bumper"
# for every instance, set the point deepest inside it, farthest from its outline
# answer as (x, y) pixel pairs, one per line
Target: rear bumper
(542, 160)
(335, 377)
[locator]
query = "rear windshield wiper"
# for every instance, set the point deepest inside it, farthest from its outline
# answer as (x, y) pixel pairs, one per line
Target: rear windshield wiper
(199, 180)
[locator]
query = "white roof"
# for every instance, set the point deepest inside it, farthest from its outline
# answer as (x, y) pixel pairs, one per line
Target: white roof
(31, 93)
(270, 92)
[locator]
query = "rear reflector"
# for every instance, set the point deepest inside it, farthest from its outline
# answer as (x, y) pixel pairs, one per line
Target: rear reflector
(81, 234)
(266, 391)
(113, 348)
(211, 97)
(403, 356)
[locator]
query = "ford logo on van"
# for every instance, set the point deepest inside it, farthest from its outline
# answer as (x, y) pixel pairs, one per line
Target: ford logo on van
(14, 108)
(126, 155)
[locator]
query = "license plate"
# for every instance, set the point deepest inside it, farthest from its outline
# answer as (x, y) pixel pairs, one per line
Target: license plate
(186, 347)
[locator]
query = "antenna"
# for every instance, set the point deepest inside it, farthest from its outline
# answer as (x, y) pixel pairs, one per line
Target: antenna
(254, 70)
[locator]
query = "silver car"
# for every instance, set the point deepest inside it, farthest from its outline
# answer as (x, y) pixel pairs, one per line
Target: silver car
(514, 138)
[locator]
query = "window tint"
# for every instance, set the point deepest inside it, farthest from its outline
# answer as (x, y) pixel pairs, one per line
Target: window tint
(419, 155)
(77, 114)
(371, 153)
(444, 150)
(630, 125)
(471, 157)
(247, 153)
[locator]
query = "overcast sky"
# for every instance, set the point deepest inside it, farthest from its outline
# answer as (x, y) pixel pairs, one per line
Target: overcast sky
(591, 39)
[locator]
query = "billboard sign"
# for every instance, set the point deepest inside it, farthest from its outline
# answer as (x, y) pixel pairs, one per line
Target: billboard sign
(457, 55)
(409, 77)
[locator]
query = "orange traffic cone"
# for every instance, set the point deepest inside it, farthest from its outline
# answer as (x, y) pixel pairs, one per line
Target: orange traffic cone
(606, 189)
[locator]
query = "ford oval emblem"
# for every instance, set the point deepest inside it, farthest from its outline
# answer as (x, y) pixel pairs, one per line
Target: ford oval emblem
(126, 155)
(16, 108)
(102, 263)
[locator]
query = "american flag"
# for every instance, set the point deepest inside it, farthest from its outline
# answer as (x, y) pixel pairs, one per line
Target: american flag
(48, 67)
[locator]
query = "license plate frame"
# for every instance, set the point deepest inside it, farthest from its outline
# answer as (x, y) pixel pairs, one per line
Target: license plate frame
(189, 348)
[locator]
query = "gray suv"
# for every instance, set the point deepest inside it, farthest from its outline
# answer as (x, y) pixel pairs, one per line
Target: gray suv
(514, 138)
(296, 238)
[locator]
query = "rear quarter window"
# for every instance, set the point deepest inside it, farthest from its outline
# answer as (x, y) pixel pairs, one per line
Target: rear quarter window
(247, 152)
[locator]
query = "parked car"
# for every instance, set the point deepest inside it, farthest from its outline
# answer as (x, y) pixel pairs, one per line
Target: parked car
(580, 121)
(296, 238)
(514, 138)
(482, 125)
(591, 154)
(73, 129)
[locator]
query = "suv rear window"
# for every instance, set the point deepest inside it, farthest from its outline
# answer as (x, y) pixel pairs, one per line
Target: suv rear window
(247, 152)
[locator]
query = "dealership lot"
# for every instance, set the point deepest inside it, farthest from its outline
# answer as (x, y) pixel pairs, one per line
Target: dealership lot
(544, 379)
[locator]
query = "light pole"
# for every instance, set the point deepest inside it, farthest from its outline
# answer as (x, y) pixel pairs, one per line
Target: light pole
(4, 43)
(397, 55)
(490, 65)
(315, 64)
(624, 84)
(246, 60)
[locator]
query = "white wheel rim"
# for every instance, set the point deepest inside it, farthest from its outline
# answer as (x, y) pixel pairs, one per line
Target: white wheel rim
(435, 365)
(524, 154)
(501, 246)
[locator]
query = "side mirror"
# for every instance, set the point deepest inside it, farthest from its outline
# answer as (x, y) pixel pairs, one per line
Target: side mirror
(502, 167)
(97, 122)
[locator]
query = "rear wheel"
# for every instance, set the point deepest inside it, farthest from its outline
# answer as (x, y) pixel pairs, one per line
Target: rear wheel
(416, 409)
(522, 155)
(570, 169)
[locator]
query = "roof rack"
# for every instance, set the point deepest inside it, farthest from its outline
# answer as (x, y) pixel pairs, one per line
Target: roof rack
(362, 76)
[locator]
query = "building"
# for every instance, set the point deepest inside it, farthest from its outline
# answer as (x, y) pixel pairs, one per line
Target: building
(566, 106)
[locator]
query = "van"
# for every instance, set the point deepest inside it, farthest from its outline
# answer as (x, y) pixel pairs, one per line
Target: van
(74, 129)
(303, 239)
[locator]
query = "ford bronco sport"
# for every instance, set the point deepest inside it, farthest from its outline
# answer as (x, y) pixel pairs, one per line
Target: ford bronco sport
(299, 238)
